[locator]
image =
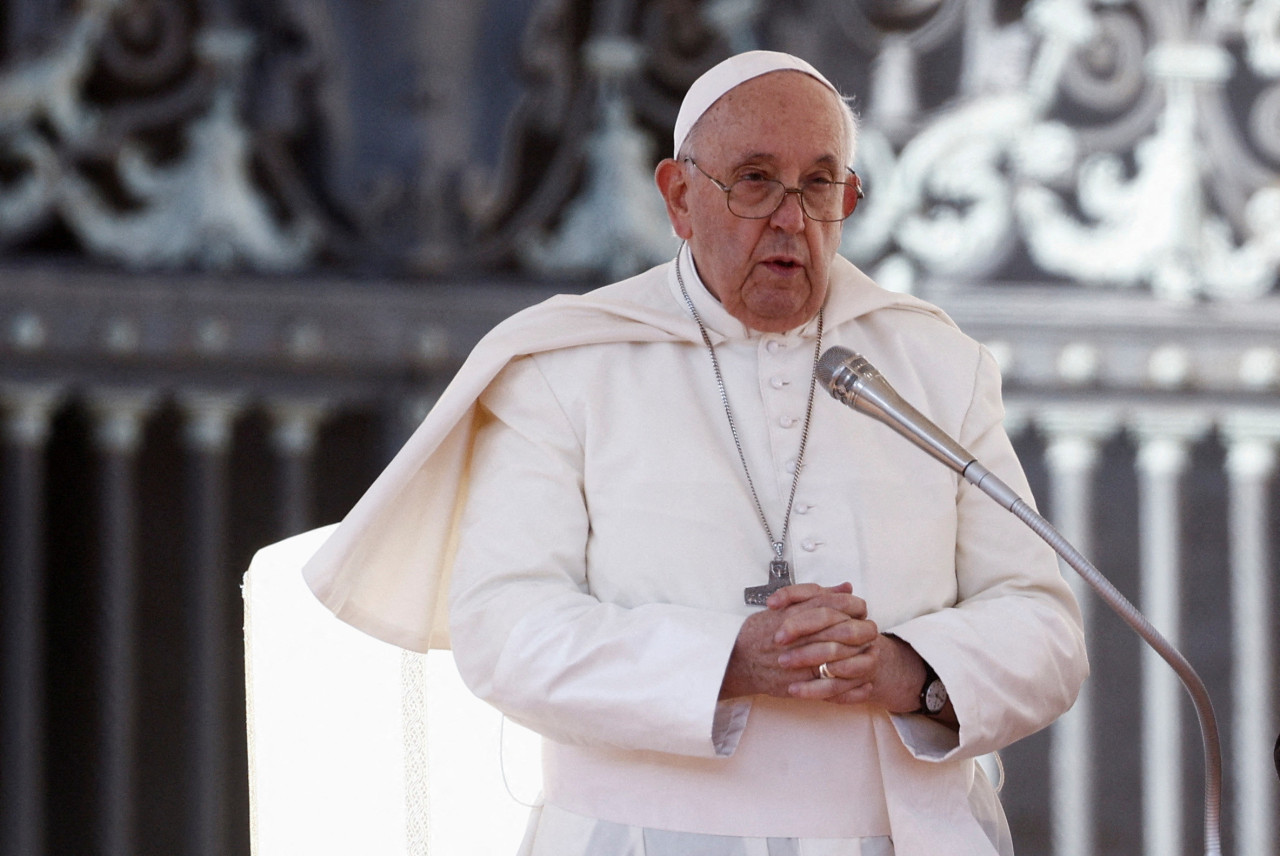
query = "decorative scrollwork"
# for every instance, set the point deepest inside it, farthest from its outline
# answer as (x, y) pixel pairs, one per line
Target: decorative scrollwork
(128, 133)
(1124, 144)
(1106, 74)
(147, 43)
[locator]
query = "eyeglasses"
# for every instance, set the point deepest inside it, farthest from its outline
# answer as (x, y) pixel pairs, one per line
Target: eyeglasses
(820, 199)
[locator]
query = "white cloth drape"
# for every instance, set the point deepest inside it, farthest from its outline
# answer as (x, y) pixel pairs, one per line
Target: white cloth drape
(336, 722)
(386, 568)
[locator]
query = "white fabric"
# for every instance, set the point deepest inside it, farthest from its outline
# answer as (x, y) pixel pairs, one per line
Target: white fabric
(734, 71)
(1011, 652)
(556, 832)
(598, 584)
(386, 567)
(336, 722)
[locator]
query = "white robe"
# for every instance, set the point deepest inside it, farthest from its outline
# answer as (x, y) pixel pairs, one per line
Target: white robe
(609, 633)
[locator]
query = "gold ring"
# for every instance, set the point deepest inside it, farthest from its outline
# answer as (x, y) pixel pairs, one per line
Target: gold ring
(824, 672)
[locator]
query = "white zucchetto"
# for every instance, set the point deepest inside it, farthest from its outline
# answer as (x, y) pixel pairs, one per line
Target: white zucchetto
(734, 71)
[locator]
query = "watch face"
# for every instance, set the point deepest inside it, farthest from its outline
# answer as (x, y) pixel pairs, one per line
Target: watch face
(935, 696)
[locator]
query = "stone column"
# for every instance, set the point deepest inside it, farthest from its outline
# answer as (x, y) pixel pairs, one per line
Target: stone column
(27, 411)
(210, 419)
(1251, 440)
(119, 420)
(1163, 452)
(1072, 456)
(293, 436)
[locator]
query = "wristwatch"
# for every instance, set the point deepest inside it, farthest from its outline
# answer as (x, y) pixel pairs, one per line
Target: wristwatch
(933, 695)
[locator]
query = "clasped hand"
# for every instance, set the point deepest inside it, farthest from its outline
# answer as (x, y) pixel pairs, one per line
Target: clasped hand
(779, 651)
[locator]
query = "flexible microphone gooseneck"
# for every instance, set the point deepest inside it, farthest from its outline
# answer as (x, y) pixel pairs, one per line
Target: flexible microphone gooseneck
(855, 382)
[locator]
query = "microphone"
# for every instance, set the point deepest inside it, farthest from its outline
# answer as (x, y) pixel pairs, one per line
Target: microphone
(855, 382)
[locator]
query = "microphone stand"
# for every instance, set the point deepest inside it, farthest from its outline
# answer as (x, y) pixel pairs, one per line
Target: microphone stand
(855, 382)
(1119, 604)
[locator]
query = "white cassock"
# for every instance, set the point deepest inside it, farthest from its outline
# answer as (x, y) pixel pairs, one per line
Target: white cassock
(596, 521)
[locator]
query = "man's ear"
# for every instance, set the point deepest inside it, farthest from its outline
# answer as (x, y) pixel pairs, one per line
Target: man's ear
(673, 183)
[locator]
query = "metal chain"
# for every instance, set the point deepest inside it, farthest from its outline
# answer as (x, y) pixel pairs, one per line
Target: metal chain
(780, 544)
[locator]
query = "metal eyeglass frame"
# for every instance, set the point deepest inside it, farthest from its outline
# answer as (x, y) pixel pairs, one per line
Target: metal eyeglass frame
(799, 191)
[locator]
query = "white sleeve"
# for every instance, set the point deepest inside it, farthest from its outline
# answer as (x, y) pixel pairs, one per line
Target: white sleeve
(528, 634)
(1011, 651)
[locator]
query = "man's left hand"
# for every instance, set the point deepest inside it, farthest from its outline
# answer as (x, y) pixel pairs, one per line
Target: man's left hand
(876, 669)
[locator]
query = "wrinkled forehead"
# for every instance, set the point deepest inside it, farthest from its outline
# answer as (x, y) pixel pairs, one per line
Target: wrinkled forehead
(728, 75)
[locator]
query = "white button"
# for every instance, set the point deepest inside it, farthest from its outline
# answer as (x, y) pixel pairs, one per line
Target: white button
(791, 467)
(787, 421)
(803, 507)
(777, 382)
(810, 545)
(774, 346)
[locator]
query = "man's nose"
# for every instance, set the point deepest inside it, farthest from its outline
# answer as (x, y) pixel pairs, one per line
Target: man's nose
(789, 215)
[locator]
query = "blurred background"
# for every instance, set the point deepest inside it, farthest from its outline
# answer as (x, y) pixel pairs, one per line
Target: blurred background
(244, 245)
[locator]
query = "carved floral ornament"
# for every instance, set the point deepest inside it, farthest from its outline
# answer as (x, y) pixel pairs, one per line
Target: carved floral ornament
(126, 130)
(1126, 144)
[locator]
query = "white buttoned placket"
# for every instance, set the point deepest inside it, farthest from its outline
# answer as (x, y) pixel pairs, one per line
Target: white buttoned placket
(783, 366)
(780, 569)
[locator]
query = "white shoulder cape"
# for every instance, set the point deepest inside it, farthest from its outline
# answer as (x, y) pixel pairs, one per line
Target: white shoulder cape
(385, 569)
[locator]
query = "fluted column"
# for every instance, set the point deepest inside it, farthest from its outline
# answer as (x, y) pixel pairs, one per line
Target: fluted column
(1163, 453)
(210, 419)
(27, 412)
(119, 416)
(1072, 456)
(1251, 441)
(295, 425)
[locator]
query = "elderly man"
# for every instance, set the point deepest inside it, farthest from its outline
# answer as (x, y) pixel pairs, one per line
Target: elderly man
(745, 621)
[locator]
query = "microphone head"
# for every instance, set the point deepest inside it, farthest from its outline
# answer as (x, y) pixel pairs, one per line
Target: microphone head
(830, 362)
(840, 368)
(854, 382)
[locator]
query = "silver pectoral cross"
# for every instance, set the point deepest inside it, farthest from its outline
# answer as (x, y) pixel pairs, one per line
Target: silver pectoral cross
(779, 577)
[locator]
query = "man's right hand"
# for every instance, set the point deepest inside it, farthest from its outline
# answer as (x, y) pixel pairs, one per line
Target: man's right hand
(800, 615)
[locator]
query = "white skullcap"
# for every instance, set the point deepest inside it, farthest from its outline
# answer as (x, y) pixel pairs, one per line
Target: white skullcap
(734, 71)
